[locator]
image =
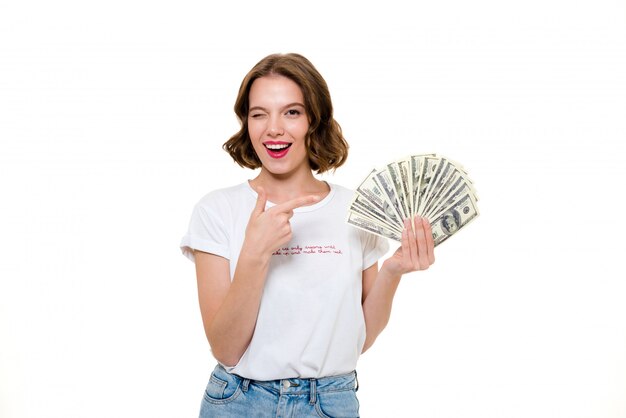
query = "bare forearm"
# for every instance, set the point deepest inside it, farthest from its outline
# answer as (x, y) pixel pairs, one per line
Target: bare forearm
(232, 327)
(377, 305)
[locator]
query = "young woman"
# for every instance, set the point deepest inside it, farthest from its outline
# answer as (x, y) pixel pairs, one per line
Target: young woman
(290, 294)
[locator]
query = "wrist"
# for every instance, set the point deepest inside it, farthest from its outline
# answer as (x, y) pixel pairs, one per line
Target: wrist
(254, 254)
(391, 269)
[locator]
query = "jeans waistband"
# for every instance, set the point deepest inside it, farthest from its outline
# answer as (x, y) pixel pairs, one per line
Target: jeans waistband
(300, 386)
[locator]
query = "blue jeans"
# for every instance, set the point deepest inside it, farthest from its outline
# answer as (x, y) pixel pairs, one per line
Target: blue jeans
(230, 396)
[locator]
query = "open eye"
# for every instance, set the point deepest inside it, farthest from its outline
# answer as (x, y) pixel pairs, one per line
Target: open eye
(293, 112)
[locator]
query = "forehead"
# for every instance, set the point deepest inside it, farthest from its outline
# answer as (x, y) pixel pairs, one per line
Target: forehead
(275, 89)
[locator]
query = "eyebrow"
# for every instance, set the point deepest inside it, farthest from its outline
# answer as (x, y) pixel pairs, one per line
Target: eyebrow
(284, 107)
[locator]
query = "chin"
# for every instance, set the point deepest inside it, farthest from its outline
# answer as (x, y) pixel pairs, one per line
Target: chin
(280, 170)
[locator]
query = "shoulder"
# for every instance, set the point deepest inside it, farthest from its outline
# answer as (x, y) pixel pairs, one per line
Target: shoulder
(342, 195)
(339, 189)
(225, 201)
(227, 196)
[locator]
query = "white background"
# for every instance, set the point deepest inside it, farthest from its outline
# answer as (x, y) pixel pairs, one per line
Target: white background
(112, 116)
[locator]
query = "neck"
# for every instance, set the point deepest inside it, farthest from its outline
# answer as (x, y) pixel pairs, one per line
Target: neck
(283, 187)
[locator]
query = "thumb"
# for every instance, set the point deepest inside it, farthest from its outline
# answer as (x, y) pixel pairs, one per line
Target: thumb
(259, 208)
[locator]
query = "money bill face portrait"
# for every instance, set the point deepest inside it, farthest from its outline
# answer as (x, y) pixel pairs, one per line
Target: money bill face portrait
(450, 222)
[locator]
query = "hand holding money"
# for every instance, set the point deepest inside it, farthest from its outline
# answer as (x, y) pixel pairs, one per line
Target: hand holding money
(427, 185)
(416, 252)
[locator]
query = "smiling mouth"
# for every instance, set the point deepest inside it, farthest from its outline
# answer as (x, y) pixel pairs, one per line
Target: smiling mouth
(277, 149)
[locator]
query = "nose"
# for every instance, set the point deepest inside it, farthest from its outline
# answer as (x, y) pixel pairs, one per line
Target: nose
(274, 127)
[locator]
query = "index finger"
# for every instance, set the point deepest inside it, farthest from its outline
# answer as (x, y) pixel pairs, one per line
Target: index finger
(296, 203)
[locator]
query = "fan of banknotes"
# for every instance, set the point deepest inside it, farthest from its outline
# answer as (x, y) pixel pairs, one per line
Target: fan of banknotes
(429, 185)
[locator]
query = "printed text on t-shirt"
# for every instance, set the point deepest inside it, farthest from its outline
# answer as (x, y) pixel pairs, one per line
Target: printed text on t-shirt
(307, 249)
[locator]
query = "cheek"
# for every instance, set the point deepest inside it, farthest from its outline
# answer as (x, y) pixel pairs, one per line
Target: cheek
(254, 130)
(300, 129)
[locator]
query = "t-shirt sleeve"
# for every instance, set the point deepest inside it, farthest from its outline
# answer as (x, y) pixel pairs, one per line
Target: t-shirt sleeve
(374, 247)
(206, 232)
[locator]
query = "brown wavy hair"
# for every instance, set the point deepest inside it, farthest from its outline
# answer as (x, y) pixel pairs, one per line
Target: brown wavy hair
(326, 147)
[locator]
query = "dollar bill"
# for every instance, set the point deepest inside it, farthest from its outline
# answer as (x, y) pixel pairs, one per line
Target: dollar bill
(383, 178)
(428, 169)
(398, 184)
(454, 192)
(368, 225)
(359, 205)
(416, 162)
(371, 191)
(454, 219)
(444, 170)
(406, 177)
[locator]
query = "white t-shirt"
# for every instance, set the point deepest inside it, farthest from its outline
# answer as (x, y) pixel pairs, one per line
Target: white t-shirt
(310, 322)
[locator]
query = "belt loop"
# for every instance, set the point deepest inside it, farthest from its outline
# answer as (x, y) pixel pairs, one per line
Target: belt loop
(313, 393)
(357, 381)
(245, 384)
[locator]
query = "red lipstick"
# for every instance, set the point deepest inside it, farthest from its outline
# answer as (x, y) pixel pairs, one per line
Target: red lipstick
(277, 149)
